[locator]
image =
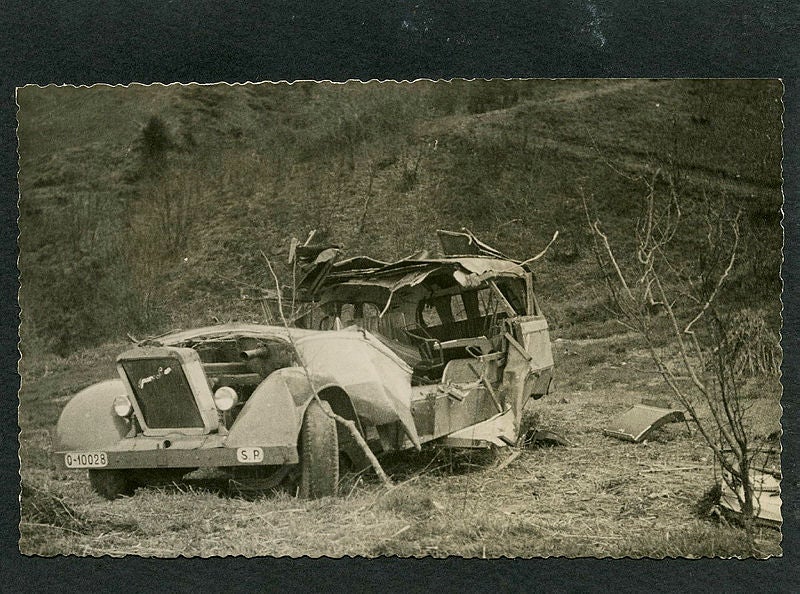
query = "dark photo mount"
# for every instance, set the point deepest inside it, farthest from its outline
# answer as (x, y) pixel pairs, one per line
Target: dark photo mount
(62, 42)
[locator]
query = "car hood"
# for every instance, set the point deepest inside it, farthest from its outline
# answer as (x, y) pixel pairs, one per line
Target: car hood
(376, 379)
(233, 330)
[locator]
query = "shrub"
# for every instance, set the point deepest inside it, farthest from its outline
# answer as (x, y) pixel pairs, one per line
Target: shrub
(751, 347)
(155, 142)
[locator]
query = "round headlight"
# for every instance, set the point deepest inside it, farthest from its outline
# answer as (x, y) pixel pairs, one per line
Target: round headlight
(122, 406)
(225, 398)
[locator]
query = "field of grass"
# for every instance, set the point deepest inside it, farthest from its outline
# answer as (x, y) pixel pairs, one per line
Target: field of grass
(598, 497)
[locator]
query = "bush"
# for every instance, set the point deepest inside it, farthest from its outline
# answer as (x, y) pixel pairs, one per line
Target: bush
(753, 349)
(155, 141)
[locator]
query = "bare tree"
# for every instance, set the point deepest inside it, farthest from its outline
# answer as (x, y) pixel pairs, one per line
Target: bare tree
(673, 303)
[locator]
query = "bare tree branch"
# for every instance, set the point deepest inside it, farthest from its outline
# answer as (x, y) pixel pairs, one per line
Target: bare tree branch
(660, 293)
(543, 252)
(350, 425)
(721, 279)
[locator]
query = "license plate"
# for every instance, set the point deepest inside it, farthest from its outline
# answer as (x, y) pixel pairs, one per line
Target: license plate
(85, 459)
(250, 455)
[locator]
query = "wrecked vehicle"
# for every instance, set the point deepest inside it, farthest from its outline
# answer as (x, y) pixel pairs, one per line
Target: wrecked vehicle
(419, 352)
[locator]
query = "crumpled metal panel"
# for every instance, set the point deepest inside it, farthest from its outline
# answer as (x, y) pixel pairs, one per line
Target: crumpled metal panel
(638, 422)
(768, 498)
(360, 263)
(469, 272)
(498, 430)
(466, 255)
(532, 329)
(377, 381)
(397, 271)
(490, 266)
(392, 283)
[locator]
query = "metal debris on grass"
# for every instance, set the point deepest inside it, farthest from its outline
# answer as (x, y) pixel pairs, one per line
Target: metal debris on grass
(766, 481)
(638, 422)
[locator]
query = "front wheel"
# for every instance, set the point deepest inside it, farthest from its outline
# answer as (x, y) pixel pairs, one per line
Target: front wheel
(112, 483)
(319, 452)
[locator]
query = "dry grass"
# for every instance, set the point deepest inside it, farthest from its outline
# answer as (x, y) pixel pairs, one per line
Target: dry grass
(600, 497)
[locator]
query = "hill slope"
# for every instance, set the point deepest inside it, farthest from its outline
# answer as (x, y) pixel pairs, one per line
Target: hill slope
(144, 208)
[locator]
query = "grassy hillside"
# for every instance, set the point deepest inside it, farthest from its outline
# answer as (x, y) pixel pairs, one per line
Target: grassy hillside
(146, 208)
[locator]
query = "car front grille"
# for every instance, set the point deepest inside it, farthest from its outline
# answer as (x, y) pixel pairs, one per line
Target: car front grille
(163, 393)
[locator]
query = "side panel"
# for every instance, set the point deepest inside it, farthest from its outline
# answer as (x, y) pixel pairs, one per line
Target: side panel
(535, 336)
(532, 332)
(499, 431)
(529, 359)
(451, 414)
(274, 412)
(88, 421)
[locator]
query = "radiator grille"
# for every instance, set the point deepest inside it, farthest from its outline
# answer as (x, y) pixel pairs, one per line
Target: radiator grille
(163, 393)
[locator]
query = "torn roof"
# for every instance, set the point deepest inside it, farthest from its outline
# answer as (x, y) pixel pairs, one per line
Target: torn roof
(348, 269)
(391, 278)
(468, 261)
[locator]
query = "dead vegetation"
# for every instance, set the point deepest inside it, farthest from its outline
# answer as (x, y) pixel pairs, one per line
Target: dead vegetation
(640, 501)
(679, 311)
(222, 172)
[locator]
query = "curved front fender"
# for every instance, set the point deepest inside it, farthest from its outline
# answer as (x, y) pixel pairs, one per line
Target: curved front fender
(274, 412)
(377, 381)
(88, 421)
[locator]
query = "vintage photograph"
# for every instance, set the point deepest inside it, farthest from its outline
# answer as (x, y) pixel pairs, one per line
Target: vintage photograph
(472, 318)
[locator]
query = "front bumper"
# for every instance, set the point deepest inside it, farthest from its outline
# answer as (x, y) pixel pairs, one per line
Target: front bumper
(144, 452)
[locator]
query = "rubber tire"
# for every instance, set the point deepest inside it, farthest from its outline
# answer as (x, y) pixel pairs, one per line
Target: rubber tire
(319, 452)
(112, 483)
